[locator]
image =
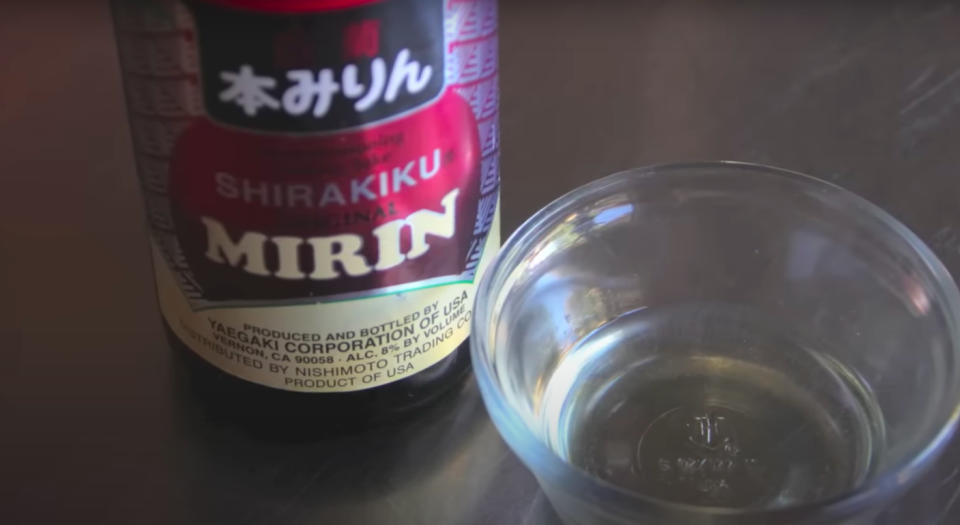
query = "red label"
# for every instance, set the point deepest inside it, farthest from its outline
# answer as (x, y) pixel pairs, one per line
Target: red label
(329, 149)
(274, 216)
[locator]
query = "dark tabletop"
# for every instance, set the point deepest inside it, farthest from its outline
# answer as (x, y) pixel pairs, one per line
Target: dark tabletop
(93, 425)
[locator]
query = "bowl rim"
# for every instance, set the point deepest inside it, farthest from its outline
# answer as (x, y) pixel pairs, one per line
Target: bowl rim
(546, 465)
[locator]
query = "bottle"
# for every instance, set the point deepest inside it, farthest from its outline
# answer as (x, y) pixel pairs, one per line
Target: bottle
(321, 184)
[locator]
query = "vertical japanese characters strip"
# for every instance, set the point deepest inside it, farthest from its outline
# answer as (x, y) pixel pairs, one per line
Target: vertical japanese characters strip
(158, 58)
(472, 53)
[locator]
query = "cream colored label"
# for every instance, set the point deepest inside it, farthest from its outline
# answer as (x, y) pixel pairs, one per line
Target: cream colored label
(328, 347)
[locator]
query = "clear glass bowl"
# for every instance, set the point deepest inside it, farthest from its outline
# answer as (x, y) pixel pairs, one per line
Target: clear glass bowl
(718, 343)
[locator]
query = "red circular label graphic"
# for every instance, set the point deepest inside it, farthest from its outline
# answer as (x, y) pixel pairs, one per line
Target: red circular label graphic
(242, 199)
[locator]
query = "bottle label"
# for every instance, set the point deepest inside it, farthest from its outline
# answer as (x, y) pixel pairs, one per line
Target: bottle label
(321, 179)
